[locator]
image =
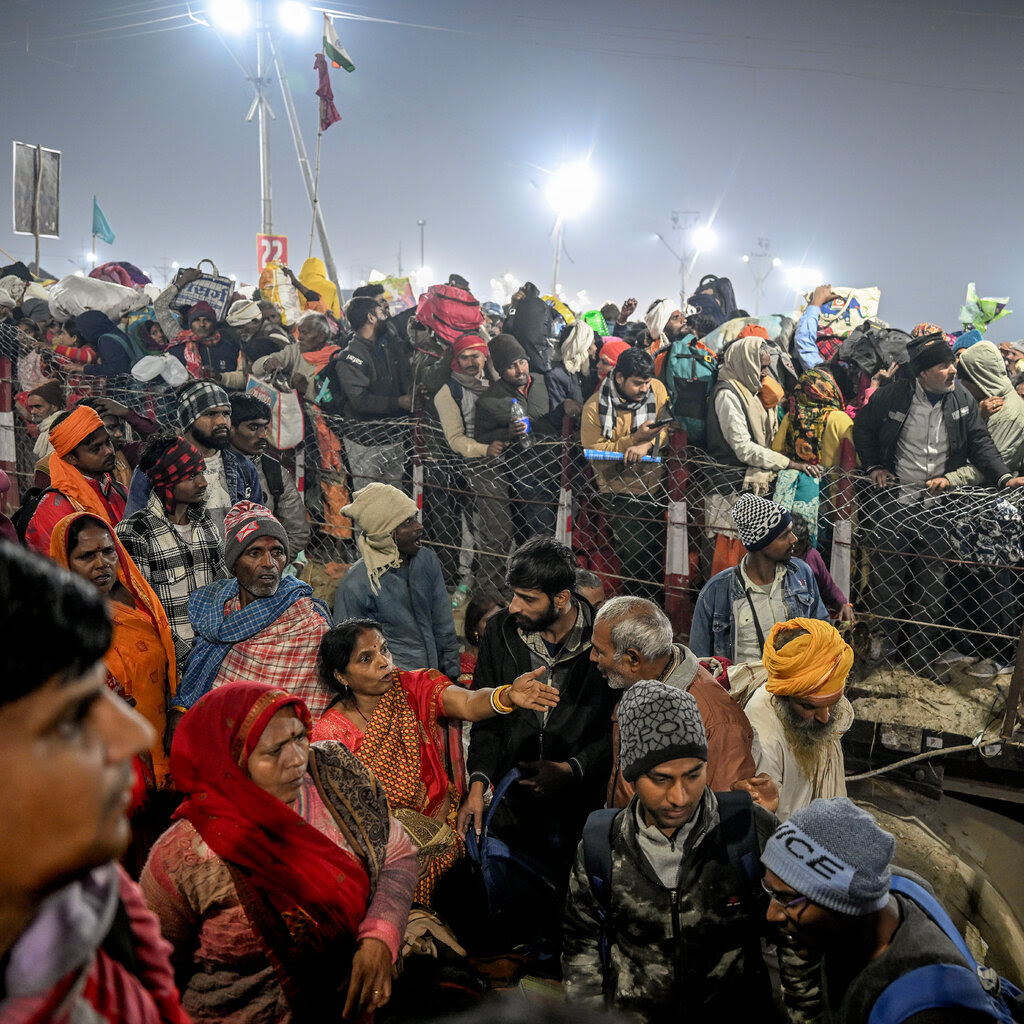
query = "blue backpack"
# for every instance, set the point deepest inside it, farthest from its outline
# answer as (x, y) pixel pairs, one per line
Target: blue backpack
(936, 986)
(689, 373)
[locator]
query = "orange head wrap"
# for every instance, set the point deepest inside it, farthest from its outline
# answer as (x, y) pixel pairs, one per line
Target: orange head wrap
(74, 429)
(754, 331)
(811, 667)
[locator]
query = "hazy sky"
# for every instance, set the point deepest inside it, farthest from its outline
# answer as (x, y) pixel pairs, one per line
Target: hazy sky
(879, 143)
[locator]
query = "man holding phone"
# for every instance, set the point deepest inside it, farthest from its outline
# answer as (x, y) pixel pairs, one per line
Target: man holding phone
(629, 414)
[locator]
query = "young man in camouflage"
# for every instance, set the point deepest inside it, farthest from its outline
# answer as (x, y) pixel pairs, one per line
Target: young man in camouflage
(682, 919)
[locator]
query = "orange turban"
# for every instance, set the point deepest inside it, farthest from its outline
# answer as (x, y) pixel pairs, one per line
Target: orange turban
(754, 331)
(74, 429)
(812, 667)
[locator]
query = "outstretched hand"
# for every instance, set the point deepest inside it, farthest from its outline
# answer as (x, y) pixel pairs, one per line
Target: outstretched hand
(762, 789)
(529, 692)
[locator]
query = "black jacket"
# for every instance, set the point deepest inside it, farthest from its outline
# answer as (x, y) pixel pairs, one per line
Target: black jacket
(494, 410)
(529, 322)
(877, 429)
(578, 730)
(373, 375)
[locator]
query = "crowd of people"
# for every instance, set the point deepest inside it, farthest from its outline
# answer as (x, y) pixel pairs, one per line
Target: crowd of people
(316, 800)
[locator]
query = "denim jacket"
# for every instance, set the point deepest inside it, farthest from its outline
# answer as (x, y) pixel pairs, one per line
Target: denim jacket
(714, 630)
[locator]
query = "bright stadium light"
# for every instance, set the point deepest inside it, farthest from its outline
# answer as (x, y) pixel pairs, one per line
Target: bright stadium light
(571, 189)
(704, 239)
(230, 15)
(802, 278)
(294, 17)
(776, 262)
(745, 258)
(91, 257)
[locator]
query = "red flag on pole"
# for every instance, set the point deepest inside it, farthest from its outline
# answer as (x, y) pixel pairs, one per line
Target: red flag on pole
(328, 111)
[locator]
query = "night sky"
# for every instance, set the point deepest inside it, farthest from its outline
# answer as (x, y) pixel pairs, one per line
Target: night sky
(877, 142)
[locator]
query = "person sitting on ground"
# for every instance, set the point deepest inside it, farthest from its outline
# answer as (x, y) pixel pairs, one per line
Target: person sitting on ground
(81, 477)
(44, 404)
(172, 541)
(141, 664)
(737, 607)
(829, 874)
(398, 582)
(302, 361)
(250, 421)
(677, 928)
(800, 714)
(258, 624)
(284, 885)
(632, 640)
(377, 708)
(78, 942)
(832, 597)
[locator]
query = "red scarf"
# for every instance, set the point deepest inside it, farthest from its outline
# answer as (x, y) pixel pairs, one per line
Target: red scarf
(306, 879)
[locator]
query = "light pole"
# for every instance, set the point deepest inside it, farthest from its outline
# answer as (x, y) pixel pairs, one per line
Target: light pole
(421, 224)
(697, 238)
(761, 264)
(570, 190)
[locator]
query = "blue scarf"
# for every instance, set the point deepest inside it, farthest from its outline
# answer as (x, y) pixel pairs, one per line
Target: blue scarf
(217, 633)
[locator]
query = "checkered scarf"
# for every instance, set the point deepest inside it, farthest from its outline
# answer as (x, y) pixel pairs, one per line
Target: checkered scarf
(610, 403)
(178, 463)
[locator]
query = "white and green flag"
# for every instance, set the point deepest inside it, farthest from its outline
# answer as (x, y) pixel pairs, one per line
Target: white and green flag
(333, 50)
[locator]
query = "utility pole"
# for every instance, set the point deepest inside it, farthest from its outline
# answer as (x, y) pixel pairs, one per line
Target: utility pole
(559, 231)
(421, 223)
(761, 263)
(261, 106)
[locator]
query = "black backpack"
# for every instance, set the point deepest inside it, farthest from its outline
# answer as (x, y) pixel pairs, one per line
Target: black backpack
(736, 820)
(29, 503)
(327, 392)
(872, 347)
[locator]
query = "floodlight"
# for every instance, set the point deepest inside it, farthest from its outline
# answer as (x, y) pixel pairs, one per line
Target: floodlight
(802, 278)
(294, 17)
(230, 15)
(704, 239)
(91, 257)
(776, 262)
(745, 258)
(571, 189)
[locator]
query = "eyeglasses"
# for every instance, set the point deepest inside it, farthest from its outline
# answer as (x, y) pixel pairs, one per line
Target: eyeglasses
(781, 897)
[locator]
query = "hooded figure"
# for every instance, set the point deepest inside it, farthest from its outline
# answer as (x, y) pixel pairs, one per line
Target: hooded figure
(983, 372)
(117, 351)
(530, 323)
(313, 276)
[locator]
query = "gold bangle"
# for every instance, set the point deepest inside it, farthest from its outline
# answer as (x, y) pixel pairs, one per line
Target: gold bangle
(178, 707)
(499, 705)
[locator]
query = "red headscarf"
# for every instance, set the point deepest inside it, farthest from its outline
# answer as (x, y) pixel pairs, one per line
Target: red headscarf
(304, 876)
(466, 343)
(612, 349)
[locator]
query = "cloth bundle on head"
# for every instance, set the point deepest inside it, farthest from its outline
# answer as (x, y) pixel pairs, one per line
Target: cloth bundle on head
(36, 309)
(467, 343)
(201, 309)
(247, 522)
(242, 312)
(181, 461)
(196, 397)
(377, 510)
(835, 854)
(658, 723)
(576, 347)
(759, 520)
(50, 392)
(658, 315)
(6, 300)
(14, 286)
(813, 667)
(313, 276)
(67, 435)
(505, 351)
(928, 350)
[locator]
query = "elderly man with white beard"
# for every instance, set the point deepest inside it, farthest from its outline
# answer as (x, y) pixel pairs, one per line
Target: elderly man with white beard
(800, 714)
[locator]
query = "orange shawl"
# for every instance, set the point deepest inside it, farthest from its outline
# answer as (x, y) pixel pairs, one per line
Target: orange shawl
(65, 438)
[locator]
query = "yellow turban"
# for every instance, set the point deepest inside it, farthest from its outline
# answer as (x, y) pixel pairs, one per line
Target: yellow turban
(813, 666)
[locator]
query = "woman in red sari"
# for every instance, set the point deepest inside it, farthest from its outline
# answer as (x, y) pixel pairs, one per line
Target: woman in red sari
(284, 886)
(390, 719)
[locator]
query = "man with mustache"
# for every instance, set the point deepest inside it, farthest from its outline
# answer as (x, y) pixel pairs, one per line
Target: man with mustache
(258, 623)
(800, 714)
(76, 939)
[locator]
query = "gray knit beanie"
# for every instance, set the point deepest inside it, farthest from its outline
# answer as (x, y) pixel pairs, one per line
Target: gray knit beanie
(658, 723)
(835, 854)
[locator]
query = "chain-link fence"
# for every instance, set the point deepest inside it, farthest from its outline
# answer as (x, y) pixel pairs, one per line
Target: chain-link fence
(927, 574)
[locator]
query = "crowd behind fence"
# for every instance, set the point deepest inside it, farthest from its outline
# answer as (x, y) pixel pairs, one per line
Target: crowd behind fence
(957, 554)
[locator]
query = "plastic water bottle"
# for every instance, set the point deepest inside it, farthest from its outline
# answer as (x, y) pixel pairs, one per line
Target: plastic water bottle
(460, 596)
(518, 415)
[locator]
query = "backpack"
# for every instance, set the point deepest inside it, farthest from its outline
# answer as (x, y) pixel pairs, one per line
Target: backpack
(736, 820)
(327, 392)
(872, 347)
(449, 311)
(935, 986)
(689, 372)
(274, 473)
(27, 509)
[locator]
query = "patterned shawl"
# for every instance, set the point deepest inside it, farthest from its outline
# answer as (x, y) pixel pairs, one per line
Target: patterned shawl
(817, 396)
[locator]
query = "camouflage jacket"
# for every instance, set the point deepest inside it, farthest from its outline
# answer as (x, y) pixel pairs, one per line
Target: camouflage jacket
(690, 953)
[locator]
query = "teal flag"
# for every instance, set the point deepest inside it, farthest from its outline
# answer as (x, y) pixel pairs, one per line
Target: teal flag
(100, 225)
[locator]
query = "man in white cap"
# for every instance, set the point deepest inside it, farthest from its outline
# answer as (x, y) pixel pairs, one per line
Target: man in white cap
(665, 323)
(398, 582)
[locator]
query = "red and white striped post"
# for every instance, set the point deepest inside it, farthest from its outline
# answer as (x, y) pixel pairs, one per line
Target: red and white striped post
(563, 521)
(677, 540)
(8, 452)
